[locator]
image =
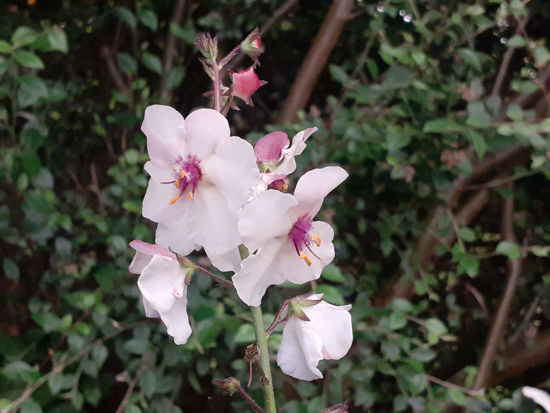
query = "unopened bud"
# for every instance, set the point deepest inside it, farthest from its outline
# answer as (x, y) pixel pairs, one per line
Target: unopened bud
(208, 46)
(252, 45)
(337, 408)
(245, 83)
(228, 386)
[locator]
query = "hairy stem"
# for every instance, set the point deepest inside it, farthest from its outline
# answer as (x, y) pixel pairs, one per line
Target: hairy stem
(264, 359)
(217, 87)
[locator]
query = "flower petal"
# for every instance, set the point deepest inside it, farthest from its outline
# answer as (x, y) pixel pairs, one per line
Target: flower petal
(173, 235)
(165, 130)
(232, 168)
(161, 282)
(270, 147)
(288, 164)
(156, 203)
(538, 396)
(300, 351)
(206, 128)
(333, 324)
(258, 272)
(265, 217)
(144, 253)
(177, 320)
(149, 310)
(314, 186)
(210, 222)
(230, 261)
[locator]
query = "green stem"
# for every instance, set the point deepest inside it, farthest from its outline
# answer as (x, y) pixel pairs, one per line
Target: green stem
(264, 359)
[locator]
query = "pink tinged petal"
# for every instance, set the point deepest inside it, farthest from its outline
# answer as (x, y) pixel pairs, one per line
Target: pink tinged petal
(165, 130)
(266, 217)
(258, 272)
(173, 235)
(270, 147)
(139, 262)
(538, 396)
(144, 254)
(232, 168)
(245, 83)
(160, 172)
(300, 351)
(177, 320)
(149, 310)
(210, 222)
(333, 324)
(314, 186)
(162, 282)
(206, 128)
(288, 163)
(229, 261)
(156, 203)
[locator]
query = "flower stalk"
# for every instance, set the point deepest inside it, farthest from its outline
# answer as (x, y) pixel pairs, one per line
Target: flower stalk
(269, 395)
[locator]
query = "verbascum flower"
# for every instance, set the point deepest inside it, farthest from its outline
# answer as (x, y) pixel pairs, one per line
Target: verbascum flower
(286, 244)
(200, 178)
(163, 287)
(320, 331)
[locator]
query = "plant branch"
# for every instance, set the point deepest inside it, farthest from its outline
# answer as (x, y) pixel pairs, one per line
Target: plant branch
(221, 280)
(255, 406)
(499, 323)
(450, 385)
(264, 359)
(132, 385)
(170, 50)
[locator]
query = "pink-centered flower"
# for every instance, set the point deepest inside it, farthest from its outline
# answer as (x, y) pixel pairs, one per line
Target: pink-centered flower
(275, 156)
(327, 335)
(200, 178)
(163, 288)
(245, 83)
(287, 244)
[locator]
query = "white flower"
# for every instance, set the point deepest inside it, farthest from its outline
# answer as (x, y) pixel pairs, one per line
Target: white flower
(538, 396)
(289, 245)
(200, 178)
(326, 336)
(162, 285)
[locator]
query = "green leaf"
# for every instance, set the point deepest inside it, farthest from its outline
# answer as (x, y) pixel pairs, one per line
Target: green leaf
(245, 334)
(514, 112)
(478, 116)
(397, 320)
(127, 63)
(152, 62)
(442, 126)
(11, 270)
(175, 77)
(398, 77)
(148, 18)
(516, 41)
(32, 88)
(338, 74)
(332, 273)
(22, 36)
(542, 55)
(19, 370)
(435, 326)
(508, 248)
(423, 354)
(30, 406)
(331, 294)
(479, 143)
(467, 234)
(5, 47)
(28, 59)
(31, 163)
(58, 40)
(457, 397)
(471, 58)
(187, 33)
(127, 17)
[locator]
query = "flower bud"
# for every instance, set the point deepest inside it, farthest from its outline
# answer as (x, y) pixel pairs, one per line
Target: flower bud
(245, 83)
(208, 47)
(337, 408)
(229, 385)
(252, 45)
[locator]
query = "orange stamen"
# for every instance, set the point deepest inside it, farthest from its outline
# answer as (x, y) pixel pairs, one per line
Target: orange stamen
(305, 258)
(182, 174)
(285, 187)
(177, 182)
(174, 200)
(191, 196)
(316, 239)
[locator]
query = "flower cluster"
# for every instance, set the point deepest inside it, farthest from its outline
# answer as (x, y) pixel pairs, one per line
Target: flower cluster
(210, 190)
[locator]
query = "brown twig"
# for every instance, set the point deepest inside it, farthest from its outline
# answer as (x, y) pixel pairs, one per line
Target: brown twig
(316, 59)
(96, 189)
(499, 323)
(113, 70)
(450, 385)
(144, 364)
(170, 51)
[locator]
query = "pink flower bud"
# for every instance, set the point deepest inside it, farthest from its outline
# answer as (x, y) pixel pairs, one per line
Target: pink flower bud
(252, 45)
(270, 147)
(245, 83)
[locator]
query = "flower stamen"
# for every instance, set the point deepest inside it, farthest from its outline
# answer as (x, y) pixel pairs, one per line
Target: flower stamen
(191, 196)
(304, 257)
(316, 239)
(173, 200)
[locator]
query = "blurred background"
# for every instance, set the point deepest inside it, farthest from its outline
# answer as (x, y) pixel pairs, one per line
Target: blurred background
(439, 110)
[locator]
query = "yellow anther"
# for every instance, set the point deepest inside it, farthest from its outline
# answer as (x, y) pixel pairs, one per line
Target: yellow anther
(175, 169)
(191, 196)
(304, 256)
(177, 182)
(285, 187)
(174, 199)
(316, 239)
(182, 174)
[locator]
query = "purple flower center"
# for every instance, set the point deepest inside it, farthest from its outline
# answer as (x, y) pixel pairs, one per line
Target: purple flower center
(301, 237)
(188, 174)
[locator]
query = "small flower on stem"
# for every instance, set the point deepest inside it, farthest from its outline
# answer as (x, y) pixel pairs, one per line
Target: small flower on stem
(245, 83)
(326, 335)
(287, 244)
(252, 45)
(162, 283)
